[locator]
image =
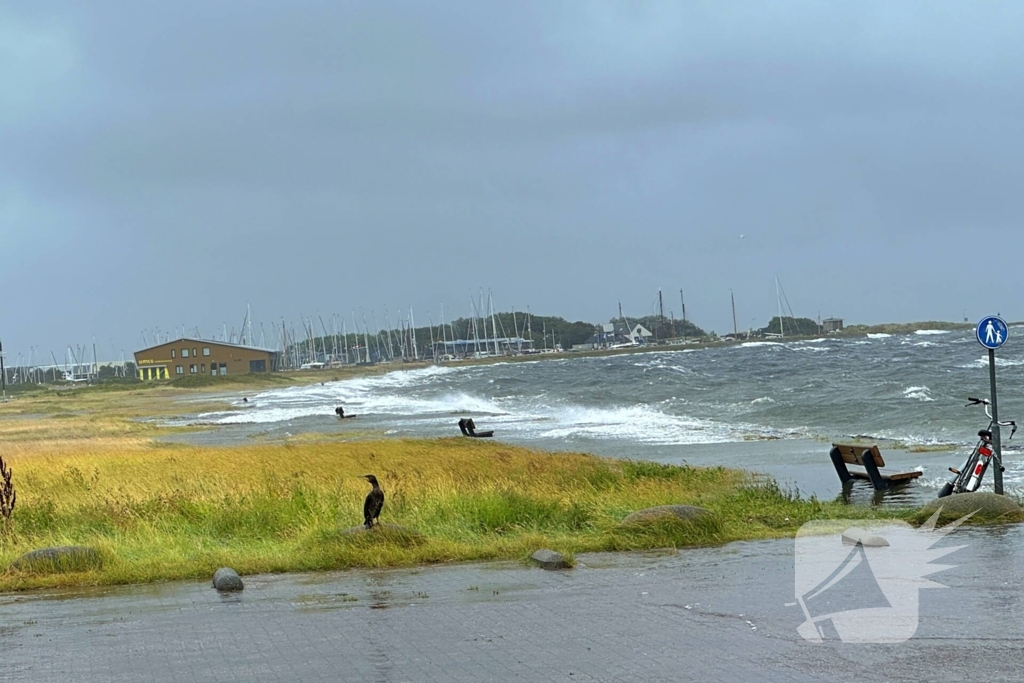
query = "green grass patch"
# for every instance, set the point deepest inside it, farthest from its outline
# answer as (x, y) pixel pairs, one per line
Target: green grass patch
(161, 513)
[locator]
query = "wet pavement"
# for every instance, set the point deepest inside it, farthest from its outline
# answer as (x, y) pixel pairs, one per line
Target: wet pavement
(716, 614)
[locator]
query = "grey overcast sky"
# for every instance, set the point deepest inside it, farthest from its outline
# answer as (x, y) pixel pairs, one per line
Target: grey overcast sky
(166, 163)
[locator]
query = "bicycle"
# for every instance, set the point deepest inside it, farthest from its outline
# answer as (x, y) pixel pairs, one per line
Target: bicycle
(968, 478)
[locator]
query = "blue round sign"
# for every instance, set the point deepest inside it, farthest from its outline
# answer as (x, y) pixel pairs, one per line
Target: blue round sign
(991, 332)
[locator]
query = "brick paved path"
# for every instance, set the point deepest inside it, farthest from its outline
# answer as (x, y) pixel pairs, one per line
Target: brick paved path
(700, 615)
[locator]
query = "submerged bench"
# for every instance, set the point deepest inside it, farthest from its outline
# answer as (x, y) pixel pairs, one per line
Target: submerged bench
(871, 460)
(468, 428)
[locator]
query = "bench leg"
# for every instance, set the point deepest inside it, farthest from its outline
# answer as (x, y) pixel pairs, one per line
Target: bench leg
(872, 469)
(841, 470)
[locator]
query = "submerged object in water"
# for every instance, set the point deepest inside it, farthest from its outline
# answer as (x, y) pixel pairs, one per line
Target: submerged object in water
(468, 428)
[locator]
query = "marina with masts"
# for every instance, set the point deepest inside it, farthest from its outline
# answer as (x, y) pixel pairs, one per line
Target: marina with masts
(363, 337)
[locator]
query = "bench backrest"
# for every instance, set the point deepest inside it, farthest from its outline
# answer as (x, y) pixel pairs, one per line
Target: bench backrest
(852, 454)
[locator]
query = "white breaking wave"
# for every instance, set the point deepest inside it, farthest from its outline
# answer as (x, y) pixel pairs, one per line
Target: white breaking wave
(932, 332)
(638, 423)
(751, 345)
(763, 399)
(879, 335)
(1000, 363)
(919, 393)
(421, 401)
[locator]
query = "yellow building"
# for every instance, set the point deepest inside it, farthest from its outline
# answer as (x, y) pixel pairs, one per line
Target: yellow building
(202, 357)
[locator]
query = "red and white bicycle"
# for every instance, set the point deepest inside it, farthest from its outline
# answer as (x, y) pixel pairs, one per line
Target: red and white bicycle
(968, 478)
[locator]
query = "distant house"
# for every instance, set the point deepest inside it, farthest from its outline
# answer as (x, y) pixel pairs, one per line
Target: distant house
(829, 325)
(192, 357)
(593, 342)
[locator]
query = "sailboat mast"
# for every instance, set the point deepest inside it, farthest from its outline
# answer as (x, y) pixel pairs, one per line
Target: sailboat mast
(444, 334)
(430, 320)
(494, 327)
(476, 336)
(735, 331)
(515, 324)
(683, 304)
(661, 311)
(248, 317)
(366, 339)
(778, 298)
(344, 339)
(412, 331)
(355, 335)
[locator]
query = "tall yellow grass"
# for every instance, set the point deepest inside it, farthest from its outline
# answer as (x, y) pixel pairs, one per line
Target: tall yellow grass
(161, 511)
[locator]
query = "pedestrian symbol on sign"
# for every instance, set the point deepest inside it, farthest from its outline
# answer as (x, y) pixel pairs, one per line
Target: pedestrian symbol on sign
(991, 332)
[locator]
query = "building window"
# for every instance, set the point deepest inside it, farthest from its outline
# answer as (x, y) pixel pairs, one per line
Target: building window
(223, 368)
(173, 353)
(202, 368)
(206, 350)
(178, 370)
(192, 369)
(184, 353)
(194, 354)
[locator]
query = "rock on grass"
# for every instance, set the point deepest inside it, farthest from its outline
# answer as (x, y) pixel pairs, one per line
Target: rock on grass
(665, 526)
(59, 560)
(987, 508)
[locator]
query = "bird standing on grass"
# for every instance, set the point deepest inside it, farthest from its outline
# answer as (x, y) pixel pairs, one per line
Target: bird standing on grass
(374, 502)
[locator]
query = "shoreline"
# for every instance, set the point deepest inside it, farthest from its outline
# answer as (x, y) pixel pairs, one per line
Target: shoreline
(94, 466)
(289, 378)
(155, 512)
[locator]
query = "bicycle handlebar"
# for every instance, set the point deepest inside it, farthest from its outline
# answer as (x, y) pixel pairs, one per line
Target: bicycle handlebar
(985, 402)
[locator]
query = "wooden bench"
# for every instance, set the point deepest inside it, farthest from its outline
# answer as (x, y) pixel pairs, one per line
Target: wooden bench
(871, 460)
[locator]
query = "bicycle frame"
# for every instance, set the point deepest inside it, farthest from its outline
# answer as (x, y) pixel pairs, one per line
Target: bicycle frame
(969, 477)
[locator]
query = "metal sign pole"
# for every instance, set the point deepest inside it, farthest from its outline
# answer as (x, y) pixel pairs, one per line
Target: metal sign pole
(996, 440)
(992, 332)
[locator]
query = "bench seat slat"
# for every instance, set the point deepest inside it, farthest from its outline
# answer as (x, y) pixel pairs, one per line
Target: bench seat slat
(892, 476)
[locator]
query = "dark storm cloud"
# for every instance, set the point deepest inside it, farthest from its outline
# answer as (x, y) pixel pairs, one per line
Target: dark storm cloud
(165, 163)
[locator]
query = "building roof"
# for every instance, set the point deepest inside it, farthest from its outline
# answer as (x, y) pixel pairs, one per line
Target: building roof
(208, 342)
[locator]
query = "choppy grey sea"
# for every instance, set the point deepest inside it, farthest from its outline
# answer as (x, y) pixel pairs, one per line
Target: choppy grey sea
(769, 406)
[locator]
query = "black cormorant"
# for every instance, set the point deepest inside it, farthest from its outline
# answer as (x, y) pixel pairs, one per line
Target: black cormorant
(339, 411)
(374, 502)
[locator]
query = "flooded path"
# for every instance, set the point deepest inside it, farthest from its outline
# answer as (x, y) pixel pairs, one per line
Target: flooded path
(716, 614)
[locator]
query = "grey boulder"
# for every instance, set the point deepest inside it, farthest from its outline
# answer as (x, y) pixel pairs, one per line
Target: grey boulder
(227, 579)
(985, 506)
(549, 559)
(59, 559)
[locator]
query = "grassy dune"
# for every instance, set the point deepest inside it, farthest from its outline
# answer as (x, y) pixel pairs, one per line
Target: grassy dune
(160, 512)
